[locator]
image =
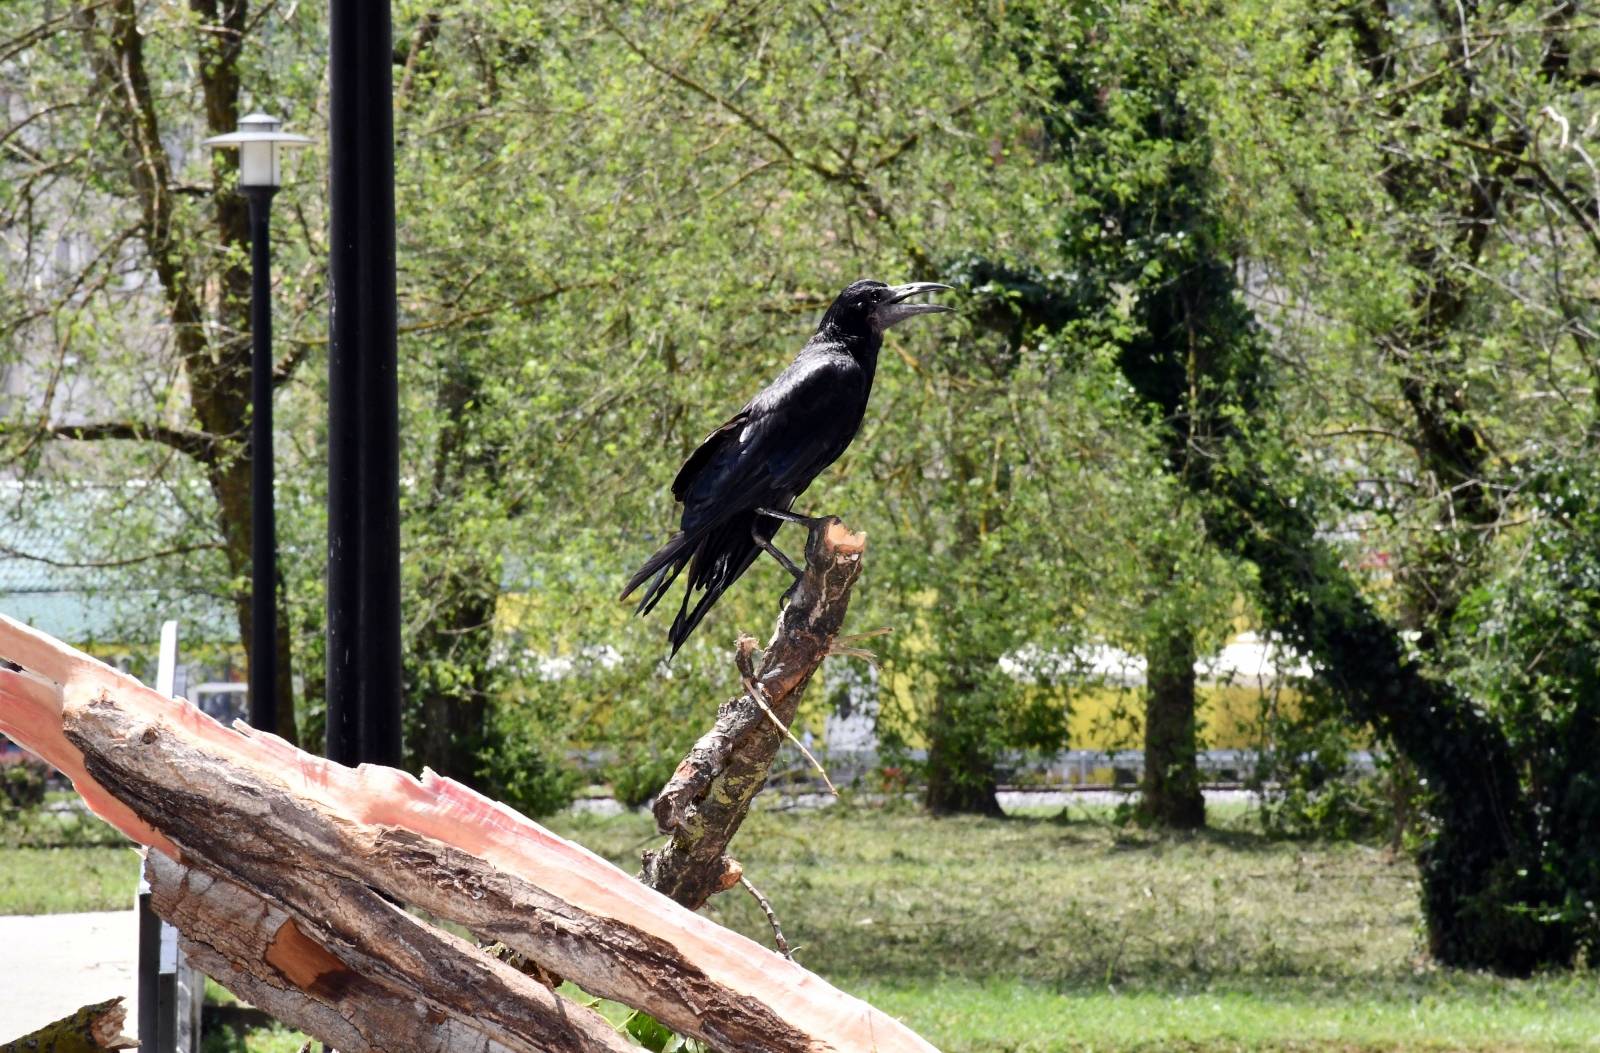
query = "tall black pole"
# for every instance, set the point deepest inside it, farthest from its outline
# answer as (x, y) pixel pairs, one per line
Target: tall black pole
(363, 661)
(263, 520)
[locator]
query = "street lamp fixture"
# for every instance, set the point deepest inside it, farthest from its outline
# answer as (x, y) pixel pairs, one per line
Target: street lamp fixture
(260, 141)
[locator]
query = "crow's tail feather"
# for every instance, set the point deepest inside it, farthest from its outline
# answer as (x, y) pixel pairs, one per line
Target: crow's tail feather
(716, 556)
(724, 554)
(667, 562)
(715, 568)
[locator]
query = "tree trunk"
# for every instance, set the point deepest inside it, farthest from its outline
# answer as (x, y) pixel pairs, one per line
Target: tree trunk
(454, 707)
(960, 729)
(961, 775)
(217, 369)
(1170, 795)
(448, 669)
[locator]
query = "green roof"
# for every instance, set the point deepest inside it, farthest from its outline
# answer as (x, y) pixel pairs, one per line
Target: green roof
(45, 583)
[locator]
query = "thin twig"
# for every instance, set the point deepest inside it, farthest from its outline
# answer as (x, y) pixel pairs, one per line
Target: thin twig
(845, 646)
(772, 918)
(744, 660)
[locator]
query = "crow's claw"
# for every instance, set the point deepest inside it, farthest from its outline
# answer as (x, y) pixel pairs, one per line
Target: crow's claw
(788, 594)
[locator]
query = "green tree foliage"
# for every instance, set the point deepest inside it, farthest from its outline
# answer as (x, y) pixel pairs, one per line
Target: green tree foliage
(1269, 299)
(1494, 886)
(127, 281)
(1423, 256)
(800, 161)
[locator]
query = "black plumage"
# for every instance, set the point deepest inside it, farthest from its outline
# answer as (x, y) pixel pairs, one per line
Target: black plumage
(766, 455)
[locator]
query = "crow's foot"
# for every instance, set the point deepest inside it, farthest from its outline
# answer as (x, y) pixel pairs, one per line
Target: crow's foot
(776, 553)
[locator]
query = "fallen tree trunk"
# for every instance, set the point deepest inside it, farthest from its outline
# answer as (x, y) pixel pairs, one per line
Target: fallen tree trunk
(297, 844)
(420, 988)
(708, 796)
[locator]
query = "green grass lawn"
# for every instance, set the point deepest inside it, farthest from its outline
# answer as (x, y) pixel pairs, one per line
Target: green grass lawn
(66, 880)
(1037, 933)
(62, 860)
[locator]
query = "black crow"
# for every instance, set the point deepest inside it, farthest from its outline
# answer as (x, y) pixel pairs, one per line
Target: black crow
(737, 488)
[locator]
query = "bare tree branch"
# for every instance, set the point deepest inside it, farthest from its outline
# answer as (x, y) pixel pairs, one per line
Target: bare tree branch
(200, 445)
(100, 564)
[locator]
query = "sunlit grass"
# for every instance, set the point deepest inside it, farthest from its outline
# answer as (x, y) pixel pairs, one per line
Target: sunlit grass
(896, 895)
(60, 859)
(1429, 1012)
(1037, 934)
(67, 880)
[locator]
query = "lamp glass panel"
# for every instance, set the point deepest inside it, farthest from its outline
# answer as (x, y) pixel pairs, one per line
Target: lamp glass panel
(258, 164)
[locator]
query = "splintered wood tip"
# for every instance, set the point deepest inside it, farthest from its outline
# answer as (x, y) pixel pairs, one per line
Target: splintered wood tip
(732, 873)
(842, 539)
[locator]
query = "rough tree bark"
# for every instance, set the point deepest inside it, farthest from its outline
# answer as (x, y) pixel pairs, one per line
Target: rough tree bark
(94, 1027)
(268, 952)
(293, 864)
(709, 794)
(1171, 794)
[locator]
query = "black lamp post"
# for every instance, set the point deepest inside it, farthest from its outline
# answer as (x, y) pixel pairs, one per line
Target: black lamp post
(363, 653)
(259, 140)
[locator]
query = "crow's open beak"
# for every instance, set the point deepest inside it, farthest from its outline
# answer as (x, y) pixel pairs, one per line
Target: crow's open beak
(895, 308)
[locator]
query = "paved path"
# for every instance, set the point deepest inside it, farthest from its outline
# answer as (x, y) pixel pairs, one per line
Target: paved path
(52, 964)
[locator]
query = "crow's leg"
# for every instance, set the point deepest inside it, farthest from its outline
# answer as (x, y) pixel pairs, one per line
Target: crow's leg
(811, 523)
(776, 553)
(792, 517)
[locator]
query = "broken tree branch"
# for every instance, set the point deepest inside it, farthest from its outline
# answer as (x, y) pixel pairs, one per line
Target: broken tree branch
(94, 1027)
(753, 691)
(709, 794)
(319, 846)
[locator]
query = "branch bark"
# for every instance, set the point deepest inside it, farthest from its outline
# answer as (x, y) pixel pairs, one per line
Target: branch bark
(197, 444)
(342, 944)
(328, 847)
(709, 794)
(97, 1026)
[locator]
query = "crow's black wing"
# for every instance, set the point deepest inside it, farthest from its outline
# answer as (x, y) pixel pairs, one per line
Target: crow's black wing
(709, 448)
(777, 444)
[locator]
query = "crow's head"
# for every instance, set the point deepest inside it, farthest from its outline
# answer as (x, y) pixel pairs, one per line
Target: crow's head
(870, 306)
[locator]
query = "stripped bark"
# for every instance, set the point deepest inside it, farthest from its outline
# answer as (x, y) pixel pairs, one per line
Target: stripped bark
(709, 794)
(309, 837)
